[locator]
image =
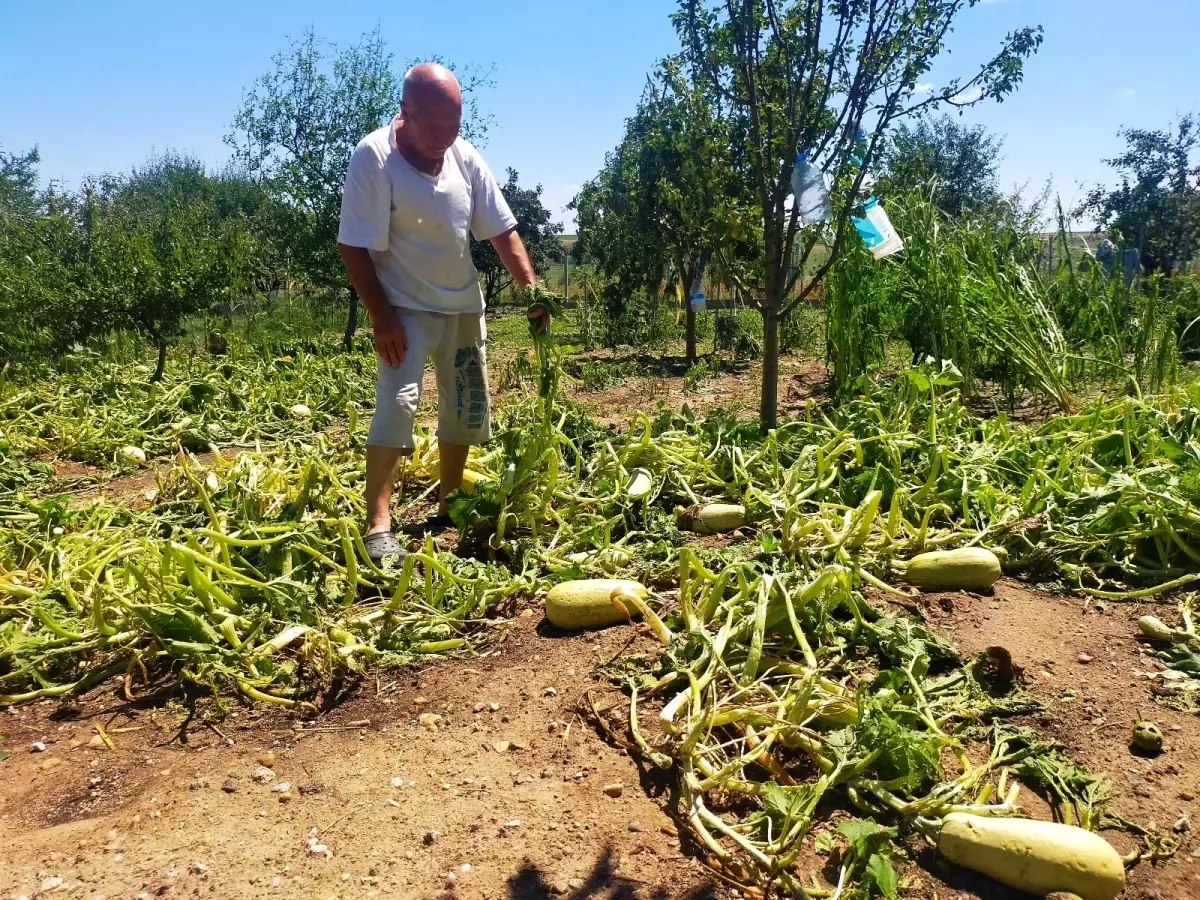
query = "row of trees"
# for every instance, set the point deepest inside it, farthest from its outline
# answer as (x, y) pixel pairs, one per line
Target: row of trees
(703, 172)
(701, 177)
(137, 252)
(144, 251)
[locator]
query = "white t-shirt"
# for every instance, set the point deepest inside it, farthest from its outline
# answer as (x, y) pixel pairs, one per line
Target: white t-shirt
(415, 225)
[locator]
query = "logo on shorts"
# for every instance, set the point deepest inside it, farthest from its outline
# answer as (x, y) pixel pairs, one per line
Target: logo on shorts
(470, 387)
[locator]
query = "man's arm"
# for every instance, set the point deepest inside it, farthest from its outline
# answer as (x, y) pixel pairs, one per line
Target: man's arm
(516, 260)
(390, 339)
(512, 253)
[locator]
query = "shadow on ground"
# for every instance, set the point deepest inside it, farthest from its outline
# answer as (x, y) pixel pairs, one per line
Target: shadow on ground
(531, 883)
(652, 365)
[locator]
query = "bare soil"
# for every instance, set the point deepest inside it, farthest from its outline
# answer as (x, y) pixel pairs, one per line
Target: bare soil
(511, 786)
(1090, 668)
(734, 390)
(516, 793)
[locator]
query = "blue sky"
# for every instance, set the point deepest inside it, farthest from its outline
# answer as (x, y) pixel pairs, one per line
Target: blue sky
(98, 86)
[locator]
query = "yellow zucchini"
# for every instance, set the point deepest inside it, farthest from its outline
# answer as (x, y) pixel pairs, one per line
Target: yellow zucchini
(712, 518)
(472, 479)
(967, 568)
(1034, 856)
(588, 603)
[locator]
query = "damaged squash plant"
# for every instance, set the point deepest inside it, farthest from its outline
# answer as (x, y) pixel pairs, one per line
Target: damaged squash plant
(783, 700)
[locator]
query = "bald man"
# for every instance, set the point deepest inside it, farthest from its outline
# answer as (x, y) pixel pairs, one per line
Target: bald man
(414, 192)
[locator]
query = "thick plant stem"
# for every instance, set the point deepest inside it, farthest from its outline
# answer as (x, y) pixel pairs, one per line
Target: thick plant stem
(691, 332)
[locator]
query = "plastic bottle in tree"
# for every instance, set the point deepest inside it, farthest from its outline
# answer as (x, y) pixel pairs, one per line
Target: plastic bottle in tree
(696, 295)
(811, 189)
(874, 226)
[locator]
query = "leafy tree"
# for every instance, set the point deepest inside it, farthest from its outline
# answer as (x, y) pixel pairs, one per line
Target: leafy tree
(1156, 206)
(700, 190)
(234, 194)
(959, 160)
(45, 301)
(157, 236)
(52, 295)
(665, 195)
(18, 180)
(538, 233)
(139, 252)
(618, 233)
(810, 75)
(300, 121)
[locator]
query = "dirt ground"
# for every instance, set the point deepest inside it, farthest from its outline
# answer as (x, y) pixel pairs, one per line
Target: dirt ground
(1090, 668)
(508, 798)
(511, 796)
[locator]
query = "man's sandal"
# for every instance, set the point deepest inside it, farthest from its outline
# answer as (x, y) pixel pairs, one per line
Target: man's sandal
(383, 544)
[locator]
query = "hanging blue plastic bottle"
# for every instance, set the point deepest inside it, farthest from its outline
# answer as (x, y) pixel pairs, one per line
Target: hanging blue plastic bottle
(875, 228)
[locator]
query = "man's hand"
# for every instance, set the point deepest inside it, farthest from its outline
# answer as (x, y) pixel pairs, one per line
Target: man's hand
(541, 305)
(391, 343)
(539, 321)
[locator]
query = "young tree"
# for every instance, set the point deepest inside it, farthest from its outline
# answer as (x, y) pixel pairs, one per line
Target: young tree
(47, 301)
(169, 254)
(56, 289)
(696, 175)
(300, 121)
(618, 232)
(959, 160)
(811, 75)
(1156, 207)
(537, 232)
(669, 191)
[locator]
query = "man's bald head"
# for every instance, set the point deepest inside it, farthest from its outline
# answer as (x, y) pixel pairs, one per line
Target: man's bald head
(431, 111)
(431, 84)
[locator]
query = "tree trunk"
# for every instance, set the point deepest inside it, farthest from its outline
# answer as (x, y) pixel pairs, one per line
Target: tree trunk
(769, 408)
(653, 294)
(693, 279)
(690, 312)
(351, 321)
(162, 360)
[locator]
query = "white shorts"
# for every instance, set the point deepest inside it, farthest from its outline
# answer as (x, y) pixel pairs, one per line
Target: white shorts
(455, 341)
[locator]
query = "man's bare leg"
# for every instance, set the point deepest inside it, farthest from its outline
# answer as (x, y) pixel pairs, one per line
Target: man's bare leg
(381, 476)
(453, 459)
